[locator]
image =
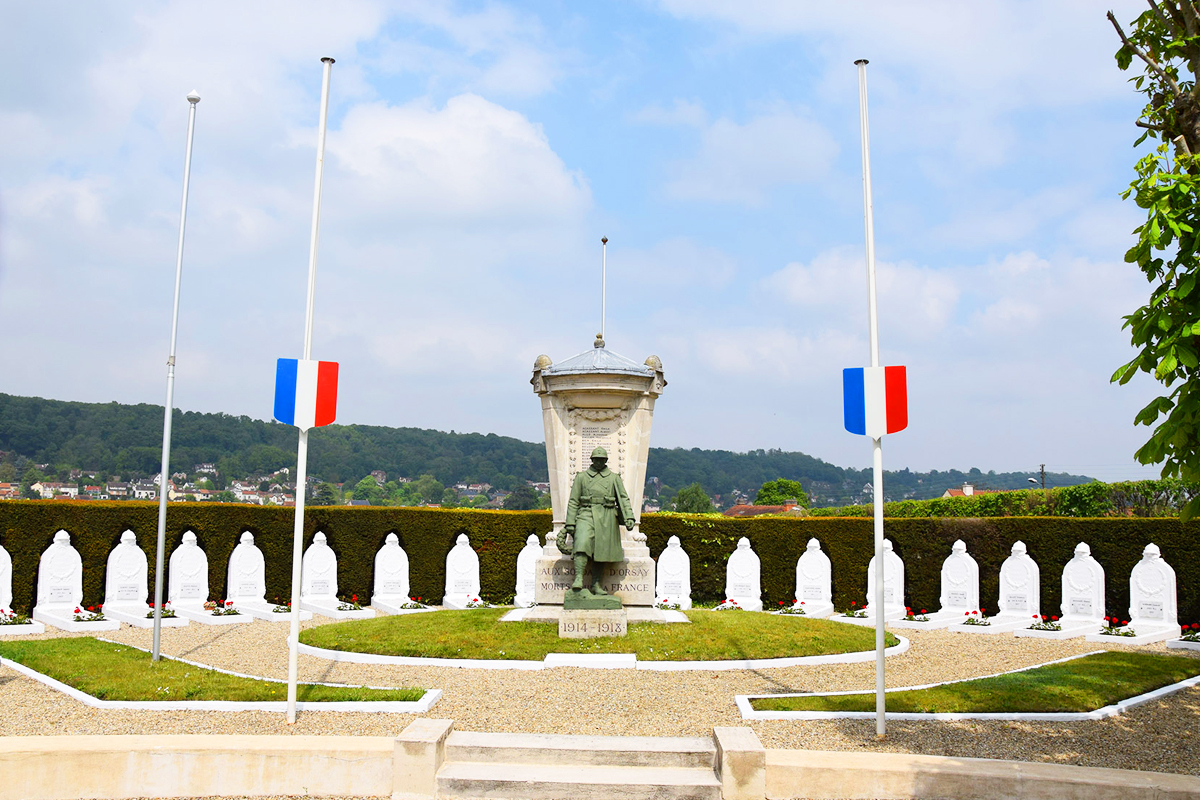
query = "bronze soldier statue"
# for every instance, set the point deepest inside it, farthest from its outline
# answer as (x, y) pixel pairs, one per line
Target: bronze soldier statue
(598, 501)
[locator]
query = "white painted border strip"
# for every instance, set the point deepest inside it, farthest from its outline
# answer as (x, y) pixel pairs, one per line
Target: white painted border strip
(555, 659)
(747, 711)
(421, 706)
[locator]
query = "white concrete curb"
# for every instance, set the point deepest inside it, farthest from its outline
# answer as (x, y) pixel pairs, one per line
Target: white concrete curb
(1174, 644)
(24, 629)
(600, 661)
(747, 712)
(362, 706)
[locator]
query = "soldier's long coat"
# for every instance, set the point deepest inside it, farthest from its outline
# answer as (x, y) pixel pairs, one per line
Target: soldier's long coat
(597, 505)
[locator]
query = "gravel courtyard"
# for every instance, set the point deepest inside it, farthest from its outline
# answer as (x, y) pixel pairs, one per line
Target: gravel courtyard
(1160, 736)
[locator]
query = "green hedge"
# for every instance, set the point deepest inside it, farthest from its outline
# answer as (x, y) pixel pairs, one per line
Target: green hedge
(356, 533)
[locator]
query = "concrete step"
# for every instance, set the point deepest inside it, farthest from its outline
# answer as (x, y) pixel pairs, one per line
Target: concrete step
(684, 752)
(494, 781)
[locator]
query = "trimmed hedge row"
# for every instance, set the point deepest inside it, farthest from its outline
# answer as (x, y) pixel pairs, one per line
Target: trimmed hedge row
(356, 533)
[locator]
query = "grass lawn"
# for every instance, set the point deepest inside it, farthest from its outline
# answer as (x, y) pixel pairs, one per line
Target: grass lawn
(116, 672)
(1083, 684)
(478, 633)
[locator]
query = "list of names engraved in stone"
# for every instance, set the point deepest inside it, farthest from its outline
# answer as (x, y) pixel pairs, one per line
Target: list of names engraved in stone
(593, 435)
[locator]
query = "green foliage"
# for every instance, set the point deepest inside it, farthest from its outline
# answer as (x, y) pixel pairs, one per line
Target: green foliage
(1129, 498)
(117, 672)
(427, 535)
(326, 495)
(523, 498)
(712, 635)
(780, 490)
(1080, 685)
(1164, 331)
(693, 500)
(369, 489)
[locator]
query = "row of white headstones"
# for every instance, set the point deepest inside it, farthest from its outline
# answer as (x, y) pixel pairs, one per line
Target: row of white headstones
(1153, 605)
(1153, 614)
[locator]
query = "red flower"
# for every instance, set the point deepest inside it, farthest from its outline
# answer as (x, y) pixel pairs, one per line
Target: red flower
(923, 611)
(1054, 618)
(78, 610)
(91, 608)
(853, 603)
(354, 597)
(966, 613)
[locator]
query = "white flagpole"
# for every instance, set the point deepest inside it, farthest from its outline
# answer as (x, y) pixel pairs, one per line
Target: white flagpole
(603, 281)
(192, 99)
(302, 448)
(876, 444)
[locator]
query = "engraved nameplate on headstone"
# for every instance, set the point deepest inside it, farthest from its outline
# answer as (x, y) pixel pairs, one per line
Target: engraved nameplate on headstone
(247, 588)
(1018, 602)
(60, 592)
(1150, 609)
(320, 587)
(812, 592)
(127, 591)
(957, 598)
(672, 587)
(889, 594)
(463, 586)
(190, 589)
(740, 589)
(391, 587)
(1081, 606)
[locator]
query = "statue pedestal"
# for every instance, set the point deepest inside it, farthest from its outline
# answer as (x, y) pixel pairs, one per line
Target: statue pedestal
(631, 581)
(592, 624)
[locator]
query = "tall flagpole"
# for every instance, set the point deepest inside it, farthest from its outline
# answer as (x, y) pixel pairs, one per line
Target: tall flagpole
(192, 99)
(603, 282)
(876, 444)
(302, 448)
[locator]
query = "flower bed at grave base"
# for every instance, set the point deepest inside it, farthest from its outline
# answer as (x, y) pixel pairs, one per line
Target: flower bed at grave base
(427, 535)
(478, 634)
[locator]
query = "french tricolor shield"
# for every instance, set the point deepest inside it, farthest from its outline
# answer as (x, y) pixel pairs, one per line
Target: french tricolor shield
(876, 400)
(306, 392)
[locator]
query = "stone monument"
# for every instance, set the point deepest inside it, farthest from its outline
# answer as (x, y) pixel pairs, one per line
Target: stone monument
(674, 584)
(247, 586)
(743, 577)
(1153, 605)
(126, 586)
(187, 585)
(527, 572)
(391, 577)
(318, 583)
(1082, 598)
(462, 574)
(1020, 595)
(959, 593)
(814, 582)
(893, 590)
(60, 588)
(597, 399)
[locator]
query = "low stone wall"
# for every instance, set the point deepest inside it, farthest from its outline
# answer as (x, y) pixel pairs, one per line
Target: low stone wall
(61, 767)
(54, 767)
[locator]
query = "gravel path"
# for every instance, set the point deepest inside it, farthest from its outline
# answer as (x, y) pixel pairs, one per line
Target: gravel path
(1160, 736)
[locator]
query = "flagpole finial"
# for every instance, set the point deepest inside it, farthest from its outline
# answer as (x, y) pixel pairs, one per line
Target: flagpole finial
(603, 240)
(861, 61)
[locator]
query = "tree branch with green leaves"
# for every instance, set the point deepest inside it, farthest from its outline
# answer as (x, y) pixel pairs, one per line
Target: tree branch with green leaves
(1166, 39)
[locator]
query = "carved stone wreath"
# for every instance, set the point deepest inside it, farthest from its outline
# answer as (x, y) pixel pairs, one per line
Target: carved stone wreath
(1016, 569)
(1156, 585)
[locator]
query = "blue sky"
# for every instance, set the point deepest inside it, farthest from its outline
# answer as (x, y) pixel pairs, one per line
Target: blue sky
(478, 152)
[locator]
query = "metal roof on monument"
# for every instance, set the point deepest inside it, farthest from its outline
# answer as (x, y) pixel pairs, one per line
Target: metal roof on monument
(598, 359)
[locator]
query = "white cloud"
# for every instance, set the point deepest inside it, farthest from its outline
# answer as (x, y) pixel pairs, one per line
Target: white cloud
(740, 163)
(680, 112)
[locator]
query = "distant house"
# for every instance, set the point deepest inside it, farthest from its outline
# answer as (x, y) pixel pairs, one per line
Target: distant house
(10, 491)
(743, 510)
(380, 476)
(650, 507)
(967, 490)
(206, 467)
(118, 490)
(357, 503)
(145, 490)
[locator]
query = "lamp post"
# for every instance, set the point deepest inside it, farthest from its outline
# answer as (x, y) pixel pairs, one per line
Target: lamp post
(193, 98)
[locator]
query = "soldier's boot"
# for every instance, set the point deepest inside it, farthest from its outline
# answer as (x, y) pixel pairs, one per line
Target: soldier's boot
(581, 560)
(597, 572)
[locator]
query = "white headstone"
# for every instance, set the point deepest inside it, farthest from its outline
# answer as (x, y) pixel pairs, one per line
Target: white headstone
(391, 571)
(960, 582)
(674, 578)
(893, 584)
(743, 577)
(319, 570)
(188, 575)
(5, 579)
(527, 572)
(125, 579)
(247, 573)
(462, 574)
(60, 576)
(1152, 600)
(1020, 585)
(814, 581)
(1082, 589)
